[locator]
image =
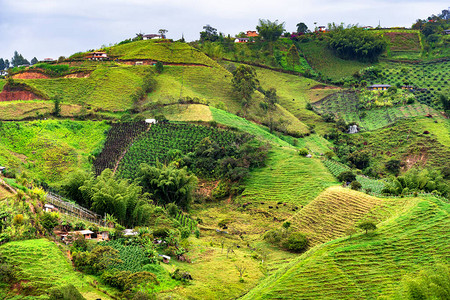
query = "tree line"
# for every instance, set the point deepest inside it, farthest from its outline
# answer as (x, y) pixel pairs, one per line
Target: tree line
(16, 60)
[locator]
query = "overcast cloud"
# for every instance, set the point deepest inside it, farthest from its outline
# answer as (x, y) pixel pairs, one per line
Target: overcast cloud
(51, 28)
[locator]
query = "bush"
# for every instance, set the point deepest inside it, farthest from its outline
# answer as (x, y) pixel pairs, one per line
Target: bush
(355, 185)
(346, 176)
(303, 152)
(68, 292)
(49, 220)
(181, 275)
(296, 242)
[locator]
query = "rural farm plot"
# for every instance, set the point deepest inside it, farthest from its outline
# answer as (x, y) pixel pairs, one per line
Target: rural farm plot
(119, 138)
(156, 144)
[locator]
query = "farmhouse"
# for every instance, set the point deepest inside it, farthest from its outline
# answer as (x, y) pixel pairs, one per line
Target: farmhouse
(408, 87)
(152, 36)
(252, 33)
(379, 87)
(48, 59)
(322, 29)
(241, 40)
(96, 55)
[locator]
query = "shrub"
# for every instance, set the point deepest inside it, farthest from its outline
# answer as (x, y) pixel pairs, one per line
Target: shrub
(49, 220)
(181, 275)
(303, 152)
(296, 242)
(18, 219)
(346, 176)
(367, 226)
(355, 185)
(68, 292)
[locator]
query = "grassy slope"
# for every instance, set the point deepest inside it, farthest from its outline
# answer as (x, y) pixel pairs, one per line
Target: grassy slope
(287, 178)
(324, 61)
(108, 88)
(366, 266)
(334, 211)
(42, 265)
(175, 52)
(48, 150)
(20, 110)
(294, 93)
(213, 86)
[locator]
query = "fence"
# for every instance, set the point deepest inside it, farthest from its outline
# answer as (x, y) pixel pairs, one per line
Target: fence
(74, 210)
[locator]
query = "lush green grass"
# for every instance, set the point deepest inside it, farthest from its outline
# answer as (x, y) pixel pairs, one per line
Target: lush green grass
(432, 76)
(169, 52)
(108, 88)
(41, 266)
(2, 84)
(294, 93)
(367, 266)
(287, 178)
(402, 44)
(49, 150)
(324, 61)
(185, 112)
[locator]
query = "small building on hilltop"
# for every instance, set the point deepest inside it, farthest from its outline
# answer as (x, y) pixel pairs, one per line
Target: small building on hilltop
(251, 33)
(151, 36)
(378, 87)
(97, 55)
(241, 40)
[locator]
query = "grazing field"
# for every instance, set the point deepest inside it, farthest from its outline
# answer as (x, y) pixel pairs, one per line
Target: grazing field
(49, 150)
(108, 88)
(367, 266)
(287, 178)
(164, 51)
(324, 61)
(294, 92)
(430, 79)
(42, 266)
(186, 112)
(22, 110)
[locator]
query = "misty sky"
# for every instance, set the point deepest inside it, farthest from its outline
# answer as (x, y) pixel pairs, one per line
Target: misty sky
(53, 28)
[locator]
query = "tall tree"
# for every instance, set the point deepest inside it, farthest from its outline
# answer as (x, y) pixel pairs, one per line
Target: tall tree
(2, 64)
(163, 32)
(244, 83)
(270, 31)
(7, 64)
(209, 34)
(34, 61)
(301, 27)
(292, 56)
(18, 60)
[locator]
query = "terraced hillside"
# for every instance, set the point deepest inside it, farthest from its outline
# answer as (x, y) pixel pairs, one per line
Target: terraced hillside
(42, 266)
(333, 212)
(367, 266)
(287, 178)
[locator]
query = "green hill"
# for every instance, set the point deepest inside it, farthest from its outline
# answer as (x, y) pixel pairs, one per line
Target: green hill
(366, 266)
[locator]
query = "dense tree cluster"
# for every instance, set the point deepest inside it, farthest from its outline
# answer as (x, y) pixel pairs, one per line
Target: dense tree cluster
(356, 43)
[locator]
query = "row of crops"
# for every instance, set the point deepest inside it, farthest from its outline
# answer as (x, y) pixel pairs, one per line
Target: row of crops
(186, 221)
(156, 144)
(374, 186)
(119, 138)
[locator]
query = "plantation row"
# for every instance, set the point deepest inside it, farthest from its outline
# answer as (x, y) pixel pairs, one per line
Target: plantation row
(155, 144)
(119, 138)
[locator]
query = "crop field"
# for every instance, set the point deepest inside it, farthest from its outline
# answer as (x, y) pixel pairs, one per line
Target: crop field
(169, 52)
(333, 212)
(287, 178)
(41, 266)
(324, 61)
(119, 138)
(402, 44)
(185, 112)
(367, 266)
(347, 106)
(48, 150)
(429, 79)
(155, 144)
(108, 88)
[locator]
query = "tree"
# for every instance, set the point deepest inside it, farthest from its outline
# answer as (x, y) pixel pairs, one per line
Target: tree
(270, 31)
(18, 60)
(159, 67)
(302, 28)
(7, 64)
(34, 61)
(296, 242)
(346, 176)
(209, 34)
(292, 56)
(57, 106)
(162, 33)
(168, 184)
(2, 64)
(241, 268)
(367, 226)
(393, 166)
(244, 83)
